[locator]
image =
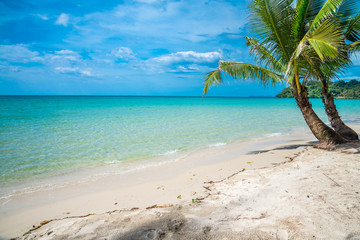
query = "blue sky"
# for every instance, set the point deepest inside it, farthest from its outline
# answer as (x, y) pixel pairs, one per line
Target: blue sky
(139, 47)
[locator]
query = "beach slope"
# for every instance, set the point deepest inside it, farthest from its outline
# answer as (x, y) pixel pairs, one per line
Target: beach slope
(311, 194)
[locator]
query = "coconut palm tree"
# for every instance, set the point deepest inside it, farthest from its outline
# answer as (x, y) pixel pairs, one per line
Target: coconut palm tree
(283, 42)
(326, 71)
(325, 74)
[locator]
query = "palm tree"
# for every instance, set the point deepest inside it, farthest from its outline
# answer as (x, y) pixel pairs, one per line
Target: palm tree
(330, 108)
(325, 71)
(283, 43)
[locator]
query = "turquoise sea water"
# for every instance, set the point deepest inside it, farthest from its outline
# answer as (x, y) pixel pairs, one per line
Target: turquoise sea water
(45, 136)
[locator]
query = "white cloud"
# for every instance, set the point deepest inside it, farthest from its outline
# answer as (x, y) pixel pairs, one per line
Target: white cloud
(187, 61)
(188, 56)
(18, 53)
(42, 16)
(64, 55)
(84, 72)
(65, 69)
(63, 19)
(69, 57)
(62, 61)
(123, 53)
(191, 68)
(66, 51)
(14, 69)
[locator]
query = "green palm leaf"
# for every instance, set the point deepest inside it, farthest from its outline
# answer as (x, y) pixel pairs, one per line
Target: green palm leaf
(347, 11)
(211, 79)
(271, 23)
(329, 9)
(354, 47)
(324, 43)
(246, 71)
(325, 40)
(353, 29)
(263, 55)
(241, 71)
(302, 10)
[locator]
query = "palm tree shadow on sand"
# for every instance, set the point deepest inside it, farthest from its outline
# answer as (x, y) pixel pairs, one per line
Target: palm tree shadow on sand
(350, 147)
(286, 147)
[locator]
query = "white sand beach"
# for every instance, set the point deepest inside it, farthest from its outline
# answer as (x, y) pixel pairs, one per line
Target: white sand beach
(289, 190)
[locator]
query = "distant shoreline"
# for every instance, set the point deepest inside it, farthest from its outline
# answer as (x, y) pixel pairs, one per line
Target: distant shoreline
(337, 98)
(338, 90)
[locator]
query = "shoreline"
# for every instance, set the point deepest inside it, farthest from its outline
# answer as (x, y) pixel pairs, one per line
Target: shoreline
(170, 184)
(208, 154)
(120, 167)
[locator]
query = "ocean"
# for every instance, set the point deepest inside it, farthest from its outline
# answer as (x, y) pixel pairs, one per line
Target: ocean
(44, 136)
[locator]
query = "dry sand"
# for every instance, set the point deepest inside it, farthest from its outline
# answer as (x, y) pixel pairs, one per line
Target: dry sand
(291, 191)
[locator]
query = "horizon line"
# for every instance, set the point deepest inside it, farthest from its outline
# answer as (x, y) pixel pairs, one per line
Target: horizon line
(97, 95)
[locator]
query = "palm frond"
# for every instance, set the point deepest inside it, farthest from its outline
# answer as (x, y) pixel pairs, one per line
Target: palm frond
(353, 29)
(329, 9)
(211, 79)
(348, 10)
(354, 47)
(321, 46)
(271, 23)
(246, 71)
(299, 21)
(263, 55)
(241, 71)
(327, 69)
(326, 40)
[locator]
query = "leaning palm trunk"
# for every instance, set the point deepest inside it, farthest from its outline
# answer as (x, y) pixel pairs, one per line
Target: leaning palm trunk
(334, 118)
(321, 131)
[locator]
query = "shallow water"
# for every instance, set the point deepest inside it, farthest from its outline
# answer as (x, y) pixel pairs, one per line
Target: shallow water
(43, 136)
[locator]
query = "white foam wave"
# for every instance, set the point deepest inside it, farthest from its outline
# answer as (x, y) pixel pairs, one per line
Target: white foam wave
(112, 162)
(170, 152)
(273, 134)
(217, 144)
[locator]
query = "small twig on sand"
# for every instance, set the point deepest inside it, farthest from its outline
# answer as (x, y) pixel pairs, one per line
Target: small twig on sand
(160, 206)
(242, 170)
(332, 180)
(207, 188)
